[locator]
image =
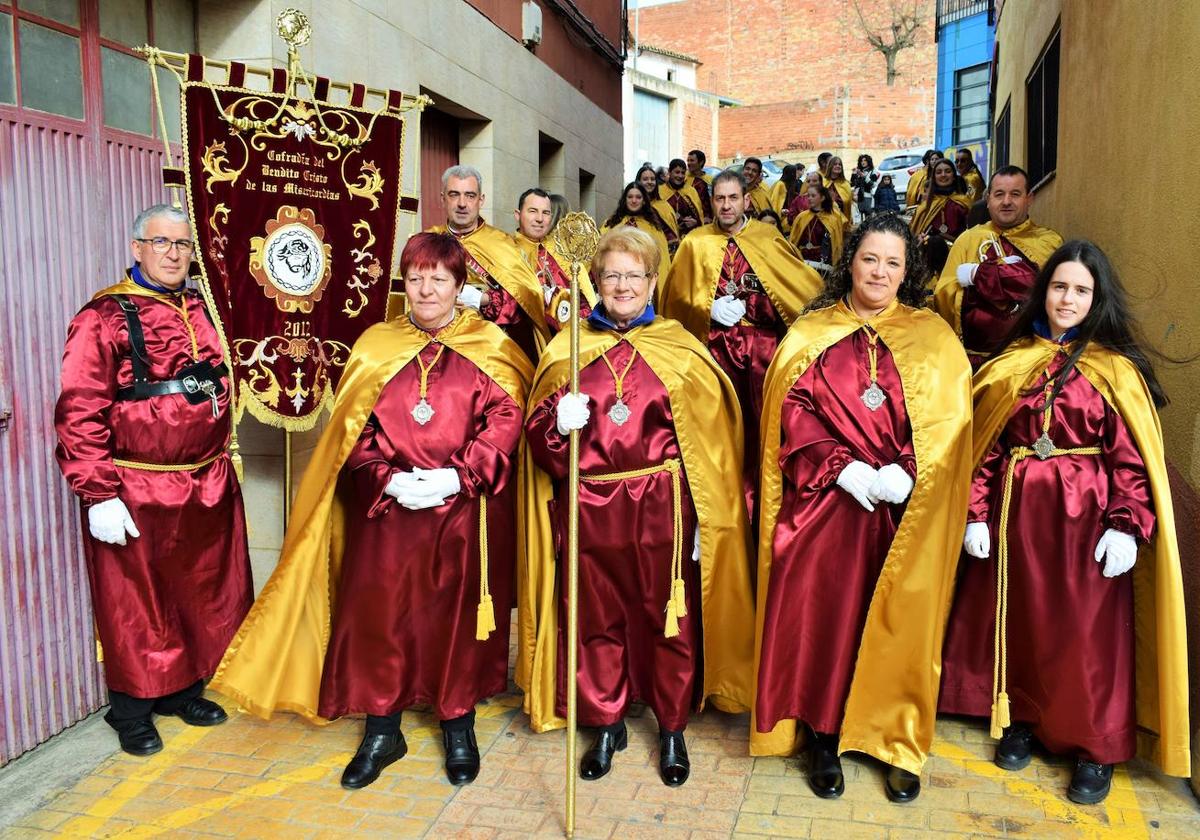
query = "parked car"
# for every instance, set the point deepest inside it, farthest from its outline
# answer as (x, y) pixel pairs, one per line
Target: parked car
(772, 170)
(900, 167)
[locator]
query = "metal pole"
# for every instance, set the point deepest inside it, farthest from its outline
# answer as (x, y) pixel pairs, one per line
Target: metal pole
(287, 478)
(573, 563)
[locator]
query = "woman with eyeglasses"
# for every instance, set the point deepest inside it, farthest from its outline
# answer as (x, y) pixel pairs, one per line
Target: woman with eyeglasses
(662, 529)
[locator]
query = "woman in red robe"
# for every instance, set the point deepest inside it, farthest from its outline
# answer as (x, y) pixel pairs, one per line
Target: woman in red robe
(1066, 492)
(851, 581)
(942, 214)
(660, 522)
(420, 448)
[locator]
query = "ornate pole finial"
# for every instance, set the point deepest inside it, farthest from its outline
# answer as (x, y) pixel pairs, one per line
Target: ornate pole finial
(293, 28)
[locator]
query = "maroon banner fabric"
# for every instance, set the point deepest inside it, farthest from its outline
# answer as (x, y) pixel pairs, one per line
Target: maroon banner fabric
(295, 207)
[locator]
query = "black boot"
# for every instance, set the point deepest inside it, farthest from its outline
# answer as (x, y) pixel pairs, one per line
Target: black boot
(673, 764)
(597, 761)
(1015, 750)
(825, 767)
(196, 712)
(137, 737)
(1090, 782)
(901, 786)
(380, 747)
(462, 751)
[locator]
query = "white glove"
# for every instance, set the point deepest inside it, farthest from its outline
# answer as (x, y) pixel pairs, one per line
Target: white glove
(573, 413)
(1011, 259)
(416, 490)
(400, 483)
(965, 274)
(442, 482)
(1120, 549)
(470, 296)
(892, 485)
(728, 310)
(696, 546)
(978, 541)
(109, 521)
(857, 478)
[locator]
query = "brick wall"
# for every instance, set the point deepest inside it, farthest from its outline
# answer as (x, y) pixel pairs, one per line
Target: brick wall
(804, 71)
(699, 129)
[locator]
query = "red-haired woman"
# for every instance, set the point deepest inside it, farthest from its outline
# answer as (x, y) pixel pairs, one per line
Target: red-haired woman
(403, 534)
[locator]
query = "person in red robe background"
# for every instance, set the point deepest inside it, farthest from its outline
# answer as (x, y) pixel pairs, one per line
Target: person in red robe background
(406, 515)
(1071, 481)
(942, 215)
(166, 549)
(659, 523)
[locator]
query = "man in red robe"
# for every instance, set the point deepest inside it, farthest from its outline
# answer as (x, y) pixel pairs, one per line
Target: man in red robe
(143, 423)
(534, 238)
(683, 198)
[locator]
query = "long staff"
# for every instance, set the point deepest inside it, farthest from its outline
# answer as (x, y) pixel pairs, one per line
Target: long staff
(576, 237)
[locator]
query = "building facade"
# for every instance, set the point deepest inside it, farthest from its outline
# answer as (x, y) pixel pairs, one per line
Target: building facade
(965, 37)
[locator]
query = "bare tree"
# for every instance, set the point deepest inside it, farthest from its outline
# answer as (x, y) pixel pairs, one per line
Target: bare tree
(899, 33)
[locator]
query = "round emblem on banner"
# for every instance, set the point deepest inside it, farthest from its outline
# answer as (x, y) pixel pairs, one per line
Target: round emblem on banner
(292, 262)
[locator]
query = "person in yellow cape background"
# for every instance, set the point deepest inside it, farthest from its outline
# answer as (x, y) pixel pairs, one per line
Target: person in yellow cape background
(817, 233)
(865, 473)
(1060, 631)
(503, 288)
(759, 195)
(839, 188)
(682, 196)
(660, 523)
(395, 583)
(941, 216)
(535, 239)
(660, 209)
(633, 210)
(736, 285)
(964, 162)
(916, 183)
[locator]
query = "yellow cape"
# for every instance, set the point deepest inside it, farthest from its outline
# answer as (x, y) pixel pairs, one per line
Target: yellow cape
(913, 193)
(834, 222)
(975, 185)
(1160, 632)
(495, 251)
(276, 657)
(842, 186)
(891, 708)
(664, 260)
(128, 287)
(688, 291)
(709, 430)
(528, 249)
(1034, 241)
(665, 191)
(928, 210)
(760, 199)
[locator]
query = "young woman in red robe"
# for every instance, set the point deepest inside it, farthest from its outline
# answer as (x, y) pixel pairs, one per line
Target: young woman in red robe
(1071, 482)
(942, 215)
(405, 522)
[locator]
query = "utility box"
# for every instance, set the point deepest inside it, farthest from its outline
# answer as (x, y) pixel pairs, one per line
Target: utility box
(531, 23)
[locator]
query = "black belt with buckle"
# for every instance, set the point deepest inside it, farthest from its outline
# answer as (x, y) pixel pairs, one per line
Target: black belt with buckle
(190, 382)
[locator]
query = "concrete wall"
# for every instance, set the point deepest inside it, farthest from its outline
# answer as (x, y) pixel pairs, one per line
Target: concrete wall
(1124, 108)
(692, 121)
(961, 44)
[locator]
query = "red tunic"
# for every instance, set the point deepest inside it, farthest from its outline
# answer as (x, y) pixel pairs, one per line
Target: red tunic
(990, 304)
(404, 630)
(815, 243)
(684, 210)
(1070, 629)
(827, 550)
(701, 187)
(168, 602)
(744, 351)
(502, 309)
(625, 545)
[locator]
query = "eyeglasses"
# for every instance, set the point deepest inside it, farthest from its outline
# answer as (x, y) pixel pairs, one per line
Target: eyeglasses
(635, 278)
(161, 244)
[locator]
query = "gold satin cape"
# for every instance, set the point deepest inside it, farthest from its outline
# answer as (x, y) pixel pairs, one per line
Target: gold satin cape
(847, 195)
(912, 194)
(688, 291)
(1160, 631)
(1034, 241)
(928, 210)
(760, 199)
(975, 185)
(708, 427)
(834, 222)
(276, 657)
(496, 252)
(665, 191)
(529, 248)
(666, 213)
(892, 705)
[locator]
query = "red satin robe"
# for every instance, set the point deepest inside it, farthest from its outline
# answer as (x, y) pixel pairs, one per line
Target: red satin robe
(625, 543)
(550, 273)
(502, 309)
(168, 602)
(952, 217)
(815, 243)
(827, 550)
(702, 190)
(404, 630)
(990, 304)
(744, 351)
(684, 210)
(1070, 629)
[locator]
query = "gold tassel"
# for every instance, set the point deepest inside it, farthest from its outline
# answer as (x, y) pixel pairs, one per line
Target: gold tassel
(678, 599)
(235, 452)
(672, 628)
(1000, 716)
(485, 619)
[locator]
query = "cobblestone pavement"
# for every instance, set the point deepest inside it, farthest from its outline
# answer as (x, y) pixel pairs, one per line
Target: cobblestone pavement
(253, 779)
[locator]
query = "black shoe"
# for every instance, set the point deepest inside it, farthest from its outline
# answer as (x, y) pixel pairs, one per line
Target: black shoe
(901, 786)
(140, 738)
(374, 753)
(1090, 782)
(673, 764)
(198, 712)
(1015, 750)
(597, 761)
(825, 767)
(462, 755)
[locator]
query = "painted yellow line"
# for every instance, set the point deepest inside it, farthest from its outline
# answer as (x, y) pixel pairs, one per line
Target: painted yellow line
(1085, 821)
(88, 823)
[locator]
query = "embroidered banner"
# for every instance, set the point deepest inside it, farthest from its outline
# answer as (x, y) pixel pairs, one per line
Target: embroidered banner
(295, 204)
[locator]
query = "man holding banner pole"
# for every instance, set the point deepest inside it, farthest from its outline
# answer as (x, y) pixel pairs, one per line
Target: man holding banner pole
(534, 215)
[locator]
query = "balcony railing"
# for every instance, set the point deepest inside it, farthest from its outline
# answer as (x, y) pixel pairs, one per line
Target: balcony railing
(948, 11)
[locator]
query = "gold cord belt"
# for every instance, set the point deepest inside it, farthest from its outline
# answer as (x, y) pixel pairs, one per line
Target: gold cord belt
(1001, 717)
(485, 614)
(142, 465)
(676, 603)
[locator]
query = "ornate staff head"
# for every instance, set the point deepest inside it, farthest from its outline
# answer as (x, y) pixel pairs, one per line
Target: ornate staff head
(294, 28)
(577, 237)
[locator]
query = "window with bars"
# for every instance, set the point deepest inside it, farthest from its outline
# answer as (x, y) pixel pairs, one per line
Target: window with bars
(971, 104)
(1000, 140)
(1041, 123)
(75, 59)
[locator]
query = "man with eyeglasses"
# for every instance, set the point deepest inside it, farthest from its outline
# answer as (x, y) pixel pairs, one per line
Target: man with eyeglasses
(737, 285)
(535, 226)
(500, 285)
(143, 427)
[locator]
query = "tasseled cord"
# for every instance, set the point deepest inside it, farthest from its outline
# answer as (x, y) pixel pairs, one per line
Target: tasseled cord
(485, 614)
(676, 602)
